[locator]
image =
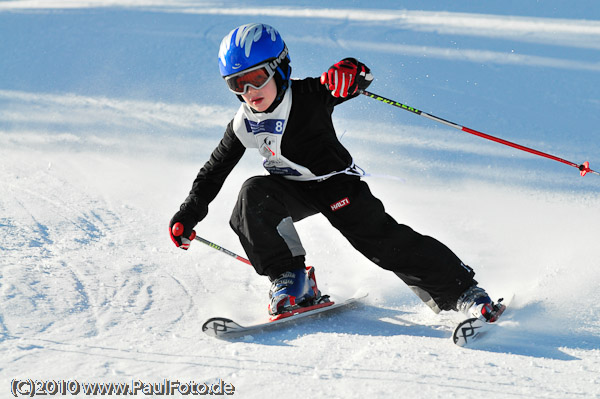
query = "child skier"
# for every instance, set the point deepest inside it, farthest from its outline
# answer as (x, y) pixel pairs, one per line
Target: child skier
(289, 123)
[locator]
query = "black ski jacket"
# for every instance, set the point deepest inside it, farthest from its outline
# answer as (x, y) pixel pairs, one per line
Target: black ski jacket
(310, 140)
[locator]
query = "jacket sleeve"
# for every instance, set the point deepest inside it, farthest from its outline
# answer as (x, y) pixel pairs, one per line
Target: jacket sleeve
(212, 175)
(313, 86)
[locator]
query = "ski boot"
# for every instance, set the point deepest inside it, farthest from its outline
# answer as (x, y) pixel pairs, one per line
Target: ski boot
(294, 289)
(475, 302)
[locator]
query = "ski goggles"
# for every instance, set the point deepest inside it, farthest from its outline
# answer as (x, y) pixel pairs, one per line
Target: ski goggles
(256, 77)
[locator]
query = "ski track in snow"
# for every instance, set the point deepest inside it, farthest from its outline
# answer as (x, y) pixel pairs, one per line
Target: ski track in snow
(91, 288)
(581, 32)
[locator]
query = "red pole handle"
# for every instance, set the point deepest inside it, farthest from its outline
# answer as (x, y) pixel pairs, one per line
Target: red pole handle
(178, 231)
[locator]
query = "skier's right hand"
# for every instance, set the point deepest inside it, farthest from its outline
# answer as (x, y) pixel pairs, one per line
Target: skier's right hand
(181, 229)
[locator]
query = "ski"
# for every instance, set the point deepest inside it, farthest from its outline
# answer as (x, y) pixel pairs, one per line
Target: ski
(473, 329)
(222, 327)
(470, 330)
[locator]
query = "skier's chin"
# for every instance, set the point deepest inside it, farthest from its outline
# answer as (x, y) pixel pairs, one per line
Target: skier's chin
(258, 104)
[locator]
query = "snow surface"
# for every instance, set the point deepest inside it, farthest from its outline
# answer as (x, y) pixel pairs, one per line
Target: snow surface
(109, 108)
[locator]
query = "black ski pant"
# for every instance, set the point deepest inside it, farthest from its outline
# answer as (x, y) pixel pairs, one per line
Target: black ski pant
(268, 206)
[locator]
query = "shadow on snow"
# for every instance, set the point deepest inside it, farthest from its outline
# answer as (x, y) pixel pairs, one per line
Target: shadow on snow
(517, 335)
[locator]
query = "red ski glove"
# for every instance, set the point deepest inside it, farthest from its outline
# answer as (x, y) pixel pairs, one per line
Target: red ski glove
(346, 77)
(178, 237)
(190, 213)
(180, 229)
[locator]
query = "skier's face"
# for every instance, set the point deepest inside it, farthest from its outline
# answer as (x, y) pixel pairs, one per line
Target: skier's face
(261, 99)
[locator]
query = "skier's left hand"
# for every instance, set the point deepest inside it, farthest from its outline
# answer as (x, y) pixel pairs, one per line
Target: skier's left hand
(344, 78)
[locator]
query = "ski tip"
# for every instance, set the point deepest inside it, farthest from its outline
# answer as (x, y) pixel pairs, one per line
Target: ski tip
(217, 326)
(223, 319)
(469, 330)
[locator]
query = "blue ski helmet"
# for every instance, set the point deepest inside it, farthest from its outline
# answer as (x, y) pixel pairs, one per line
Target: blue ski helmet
(253, 44)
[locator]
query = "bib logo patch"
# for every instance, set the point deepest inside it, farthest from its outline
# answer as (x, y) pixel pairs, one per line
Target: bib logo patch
(267, 126)
(340, 204)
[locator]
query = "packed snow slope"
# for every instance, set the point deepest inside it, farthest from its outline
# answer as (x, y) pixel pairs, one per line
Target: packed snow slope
(109, 108)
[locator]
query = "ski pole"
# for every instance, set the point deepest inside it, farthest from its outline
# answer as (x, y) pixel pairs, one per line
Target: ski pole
(178, 231)
(583, 168)
(221, 249)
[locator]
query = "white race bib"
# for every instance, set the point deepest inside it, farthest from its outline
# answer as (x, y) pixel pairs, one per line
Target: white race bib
(265, 132)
